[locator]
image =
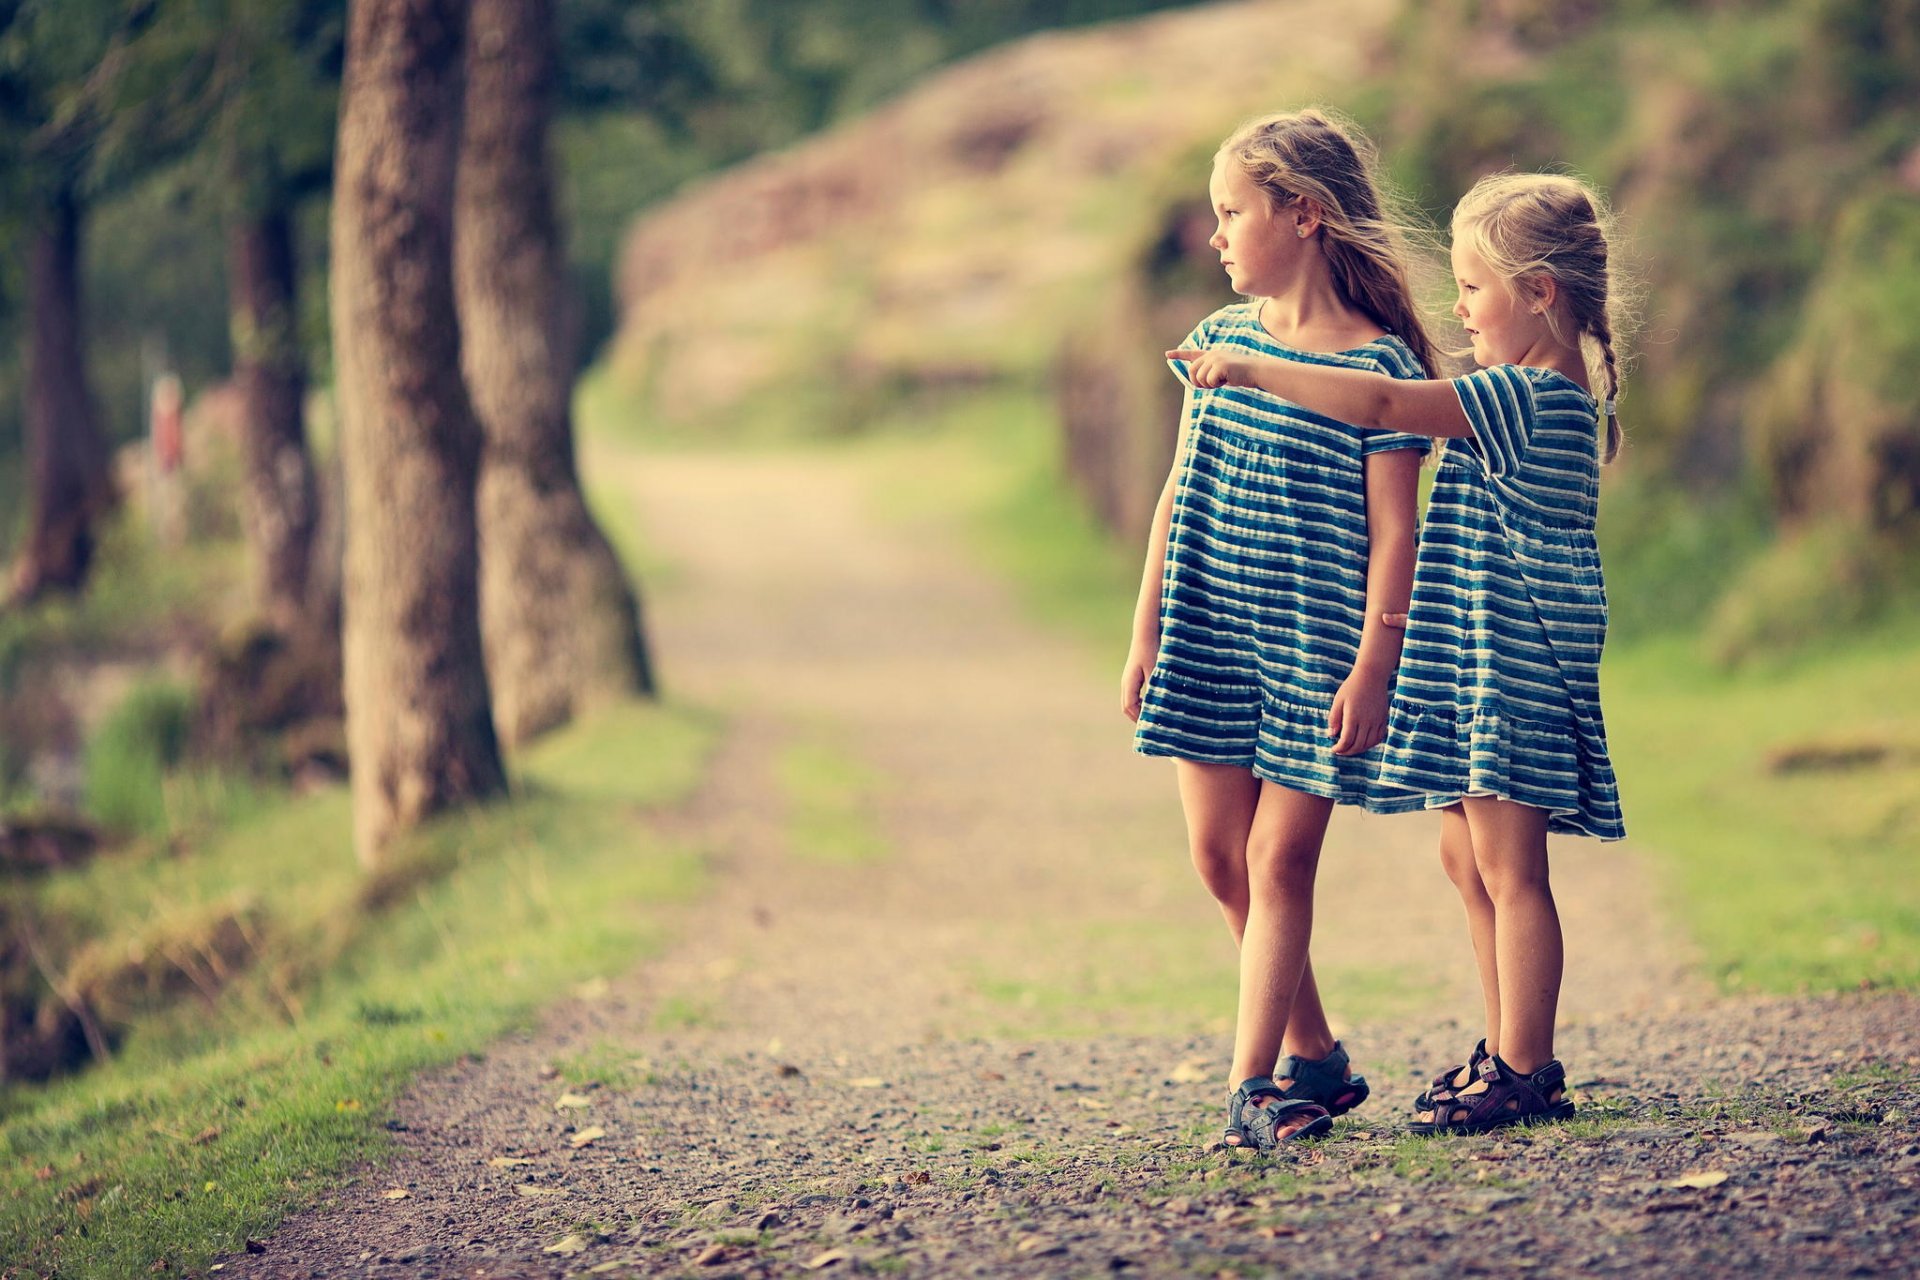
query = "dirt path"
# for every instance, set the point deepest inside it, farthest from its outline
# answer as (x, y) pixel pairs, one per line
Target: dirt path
(993, 1047)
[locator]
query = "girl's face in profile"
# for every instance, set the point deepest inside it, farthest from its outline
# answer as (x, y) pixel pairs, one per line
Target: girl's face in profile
(1499, 321)
(1257, 243)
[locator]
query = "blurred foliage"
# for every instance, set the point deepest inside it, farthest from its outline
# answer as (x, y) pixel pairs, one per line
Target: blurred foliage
(130, 754)
(213, 105)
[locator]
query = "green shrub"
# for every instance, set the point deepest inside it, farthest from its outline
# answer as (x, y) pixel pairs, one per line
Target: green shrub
(1809, 587)
(129, 755)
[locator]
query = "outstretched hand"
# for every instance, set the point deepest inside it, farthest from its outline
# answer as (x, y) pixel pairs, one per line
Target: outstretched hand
(1208, 369)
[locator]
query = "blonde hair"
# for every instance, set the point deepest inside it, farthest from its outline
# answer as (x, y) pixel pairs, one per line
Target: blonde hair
(1553, 225)
(1316, 154)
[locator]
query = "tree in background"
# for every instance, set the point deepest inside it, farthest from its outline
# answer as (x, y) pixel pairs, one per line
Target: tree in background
(561, 624)
(419, 726)
(59, 67)
(273, 142)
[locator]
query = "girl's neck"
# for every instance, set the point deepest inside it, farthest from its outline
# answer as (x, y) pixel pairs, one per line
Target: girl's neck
(1565, 360)
(1314, 315)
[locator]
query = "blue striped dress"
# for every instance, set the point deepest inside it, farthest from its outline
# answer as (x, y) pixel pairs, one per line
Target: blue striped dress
(1498, 691)
(1263, 588)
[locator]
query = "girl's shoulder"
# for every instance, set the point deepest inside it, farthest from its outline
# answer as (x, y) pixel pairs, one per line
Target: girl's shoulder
(1539, 379)
(1235, 320)
(1395, 358)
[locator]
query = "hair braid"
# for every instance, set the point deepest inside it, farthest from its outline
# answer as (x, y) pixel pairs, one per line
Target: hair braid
(1528, 226)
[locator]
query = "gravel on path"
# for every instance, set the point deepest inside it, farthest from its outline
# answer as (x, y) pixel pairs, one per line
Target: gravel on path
(827, 1073)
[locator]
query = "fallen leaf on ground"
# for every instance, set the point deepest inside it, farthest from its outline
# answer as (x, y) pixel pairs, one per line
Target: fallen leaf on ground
(529, 1189)
(394, 1193)
(867, 1082)
(567, 1246)
(826, 1259)
(572, 1102)
(1094, 1104)
(1191, 1071)
(1040, 1246)
(508, 1162)
(206, 1135)
(1701, 1181)
(586, 1136)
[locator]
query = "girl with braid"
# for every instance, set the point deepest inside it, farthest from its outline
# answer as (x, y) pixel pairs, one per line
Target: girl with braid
(1496, 713)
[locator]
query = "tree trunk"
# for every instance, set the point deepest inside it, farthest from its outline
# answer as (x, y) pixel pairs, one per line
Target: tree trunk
(419, 727)
(68, 466)
(279, 503)
(562, 626)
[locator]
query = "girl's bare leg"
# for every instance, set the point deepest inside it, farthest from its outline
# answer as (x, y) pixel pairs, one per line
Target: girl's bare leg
(1219, 802)
(1510, 852)
(1308, 1033)
(1456, 855)
(1283, 855)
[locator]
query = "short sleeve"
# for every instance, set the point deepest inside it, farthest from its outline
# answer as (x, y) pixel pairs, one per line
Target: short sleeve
(1198, 340)
(1498, 403)
(1396, 361)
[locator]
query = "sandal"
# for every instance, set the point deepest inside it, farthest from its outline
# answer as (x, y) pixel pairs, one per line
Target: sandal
(1257, 1128)
(1443, 1087)
(1509, 1098)
(1328, 1081)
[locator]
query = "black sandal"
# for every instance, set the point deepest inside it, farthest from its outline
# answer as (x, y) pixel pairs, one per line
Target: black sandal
(1510, 1098)
(1258, 1128)
(1443, 1087)
(1328, 1081)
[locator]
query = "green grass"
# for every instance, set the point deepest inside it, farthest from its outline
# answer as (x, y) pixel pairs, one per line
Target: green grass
(1787, 880)
(829, 796)
(214, 1120)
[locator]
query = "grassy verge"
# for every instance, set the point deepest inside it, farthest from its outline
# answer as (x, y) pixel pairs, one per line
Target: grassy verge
(1781, 805)
(216, 1118)
(1788, 880)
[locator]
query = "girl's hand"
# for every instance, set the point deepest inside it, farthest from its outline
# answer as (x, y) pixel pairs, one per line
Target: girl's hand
(1358, 721)
(1209, 369)
(1133, 677)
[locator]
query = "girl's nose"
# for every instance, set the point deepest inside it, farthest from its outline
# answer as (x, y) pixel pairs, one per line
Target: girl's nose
(1217, 241)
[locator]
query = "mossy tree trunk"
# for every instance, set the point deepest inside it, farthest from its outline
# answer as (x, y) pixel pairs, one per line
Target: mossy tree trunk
(69, 469)
(419, 726)
(280, 505)
(561, 624)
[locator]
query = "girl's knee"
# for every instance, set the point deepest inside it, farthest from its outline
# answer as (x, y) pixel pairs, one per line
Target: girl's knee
(1288, 866)
(1519, 880)
(1456, 858)
(1223, 870)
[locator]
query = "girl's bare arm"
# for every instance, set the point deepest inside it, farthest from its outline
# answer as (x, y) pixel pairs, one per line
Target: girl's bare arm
(1348, 395)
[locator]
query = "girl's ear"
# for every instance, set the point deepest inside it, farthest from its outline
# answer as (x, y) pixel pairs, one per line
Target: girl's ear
(1307, 216)
(1540, 290)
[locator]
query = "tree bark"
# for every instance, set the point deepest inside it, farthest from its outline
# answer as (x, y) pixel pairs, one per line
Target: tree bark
(280, 502)
(68, 466)
(561, 624)
(419, 727)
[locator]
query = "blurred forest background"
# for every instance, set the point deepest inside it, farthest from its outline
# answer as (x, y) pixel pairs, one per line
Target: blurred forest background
(813, 225)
